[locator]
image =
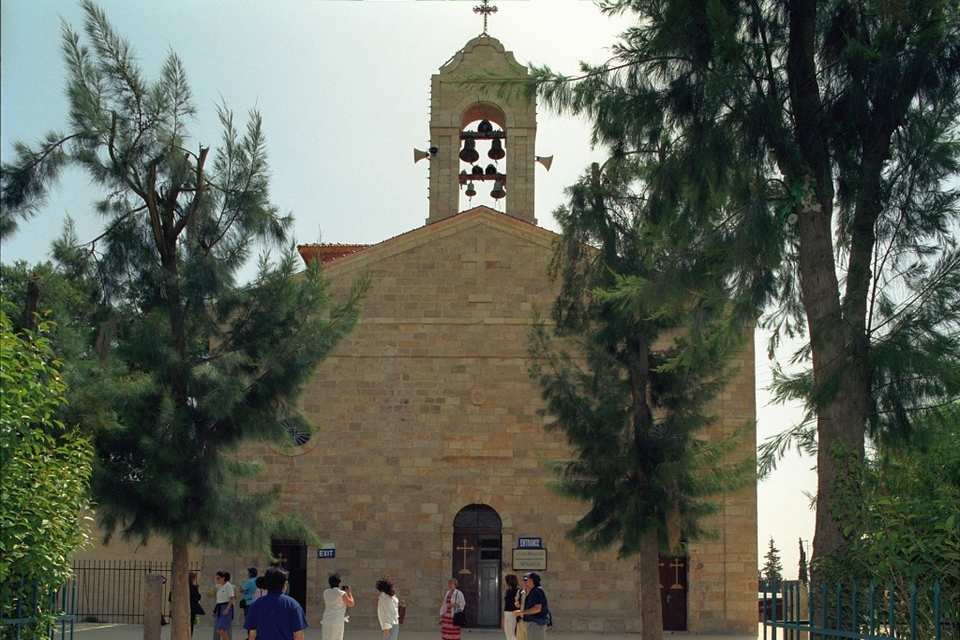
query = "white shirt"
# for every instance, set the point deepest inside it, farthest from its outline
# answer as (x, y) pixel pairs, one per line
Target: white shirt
(388, 611)
(334, 607)
(457, 602)
(225, 592)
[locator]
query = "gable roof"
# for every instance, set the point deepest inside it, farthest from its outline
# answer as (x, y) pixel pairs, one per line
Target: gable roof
(349, 257)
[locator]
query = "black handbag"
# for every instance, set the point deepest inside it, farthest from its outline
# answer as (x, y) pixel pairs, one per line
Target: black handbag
(460, 619)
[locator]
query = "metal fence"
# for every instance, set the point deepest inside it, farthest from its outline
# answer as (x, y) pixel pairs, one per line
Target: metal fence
(21, 620)
(868, 612)
(112, 590)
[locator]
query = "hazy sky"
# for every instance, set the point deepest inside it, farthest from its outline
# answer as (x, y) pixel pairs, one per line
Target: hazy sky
(344, 90)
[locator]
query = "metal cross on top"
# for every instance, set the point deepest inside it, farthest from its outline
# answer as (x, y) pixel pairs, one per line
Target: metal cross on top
(485, 9)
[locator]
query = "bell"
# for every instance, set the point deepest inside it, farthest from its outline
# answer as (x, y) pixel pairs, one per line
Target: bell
(470, 190)
(477, 170)
(484, 127)
(498, 191)
(491, 170)
(469, 151)
(496, 150)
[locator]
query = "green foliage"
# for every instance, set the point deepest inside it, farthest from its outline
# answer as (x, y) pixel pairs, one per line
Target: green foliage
(901, 511)
(772, 567)
(635, 355)
(67, 293)
(45, 470)
(642, 335)
(817, 142)
(177, 363)
(185, 363)
(641, 342)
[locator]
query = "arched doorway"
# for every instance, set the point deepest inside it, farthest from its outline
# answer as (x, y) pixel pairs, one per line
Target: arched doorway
(477, 550)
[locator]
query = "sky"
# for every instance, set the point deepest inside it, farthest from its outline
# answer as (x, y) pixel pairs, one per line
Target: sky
(343, 87)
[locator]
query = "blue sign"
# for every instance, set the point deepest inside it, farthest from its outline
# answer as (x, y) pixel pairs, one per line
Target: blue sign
(327, 551)
(530, 543)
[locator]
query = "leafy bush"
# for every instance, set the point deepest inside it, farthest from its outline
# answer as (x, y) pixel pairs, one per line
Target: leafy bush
(45, 471)
(901, 513)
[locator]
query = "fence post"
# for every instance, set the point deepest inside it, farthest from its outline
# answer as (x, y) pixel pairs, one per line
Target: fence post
(152, 606)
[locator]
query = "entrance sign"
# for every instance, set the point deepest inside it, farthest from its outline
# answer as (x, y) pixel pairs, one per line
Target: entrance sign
(529, 559)
(328, 550)
(530, 543)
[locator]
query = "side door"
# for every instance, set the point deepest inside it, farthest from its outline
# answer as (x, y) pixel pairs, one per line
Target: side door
(673, 592)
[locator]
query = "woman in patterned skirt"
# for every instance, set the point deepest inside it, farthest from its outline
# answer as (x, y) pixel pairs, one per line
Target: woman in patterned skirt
(453, 602)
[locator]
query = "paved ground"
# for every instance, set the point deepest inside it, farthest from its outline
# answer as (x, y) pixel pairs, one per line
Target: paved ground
(100, 631)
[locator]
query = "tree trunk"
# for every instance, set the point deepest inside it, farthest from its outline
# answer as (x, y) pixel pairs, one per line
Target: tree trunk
(651, 613)
(840, 385)
(180, 592)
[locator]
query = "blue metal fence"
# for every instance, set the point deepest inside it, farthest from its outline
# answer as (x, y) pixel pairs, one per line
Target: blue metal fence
(27, 609)
(795, 611)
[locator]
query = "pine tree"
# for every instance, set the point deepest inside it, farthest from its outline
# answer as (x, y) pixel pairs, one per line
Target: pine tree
(772, 567)
(802, 564)
(194, 363)
(633, 359)
(830, 128)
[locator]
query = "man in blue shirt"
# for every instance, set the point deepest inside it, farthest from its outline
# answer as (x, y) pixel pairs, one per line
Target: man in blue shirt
(275, 616)
(535, 611)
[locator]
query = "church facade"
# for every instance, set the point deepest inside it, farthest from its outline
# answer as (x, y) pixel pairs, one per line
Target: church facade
(428, 462)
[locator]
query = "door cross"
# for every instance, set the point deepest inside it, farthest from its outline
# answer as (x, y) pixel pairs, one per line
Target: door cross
(676, 564)
(464, 548)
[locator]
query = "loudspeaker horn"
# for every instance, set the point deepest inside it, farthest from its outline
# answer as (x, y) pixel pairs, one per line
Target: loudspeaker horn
(546, 161)
(419, 155)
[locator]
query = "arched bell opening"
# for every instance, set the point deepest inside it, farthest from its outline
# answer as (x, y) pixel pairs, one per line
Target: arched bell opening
(477, 552)
(483, 111)
(483, 140)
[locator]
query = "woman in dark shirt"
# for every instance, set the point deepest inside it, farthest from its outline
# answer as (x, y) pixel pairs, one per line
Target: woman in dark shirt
(509, 623)
(195, 609)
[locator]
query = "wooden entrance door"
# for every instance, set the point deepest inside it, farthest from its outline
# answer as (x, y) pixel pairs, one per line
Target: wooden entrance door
(465, 570)
(673, 592)
(477, 550)
(292, 556)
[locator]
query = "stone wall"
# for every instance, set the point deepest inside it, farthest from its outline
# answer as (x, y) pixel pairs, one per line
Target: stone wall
(428, 408)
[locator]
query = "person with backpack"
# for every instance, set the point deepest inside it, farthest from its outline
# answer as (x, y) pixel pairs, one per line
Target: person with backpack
(535, 611)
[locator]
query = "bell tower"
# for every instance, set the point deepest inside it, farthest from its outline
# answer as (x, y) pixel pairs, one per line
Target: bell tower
(482, 137)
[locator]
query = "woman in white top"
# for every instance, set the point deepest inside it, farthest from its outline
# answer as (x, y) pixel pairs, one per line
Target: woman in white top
(336, 601)
(453, 601)
(223, 612)
(388, 609)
